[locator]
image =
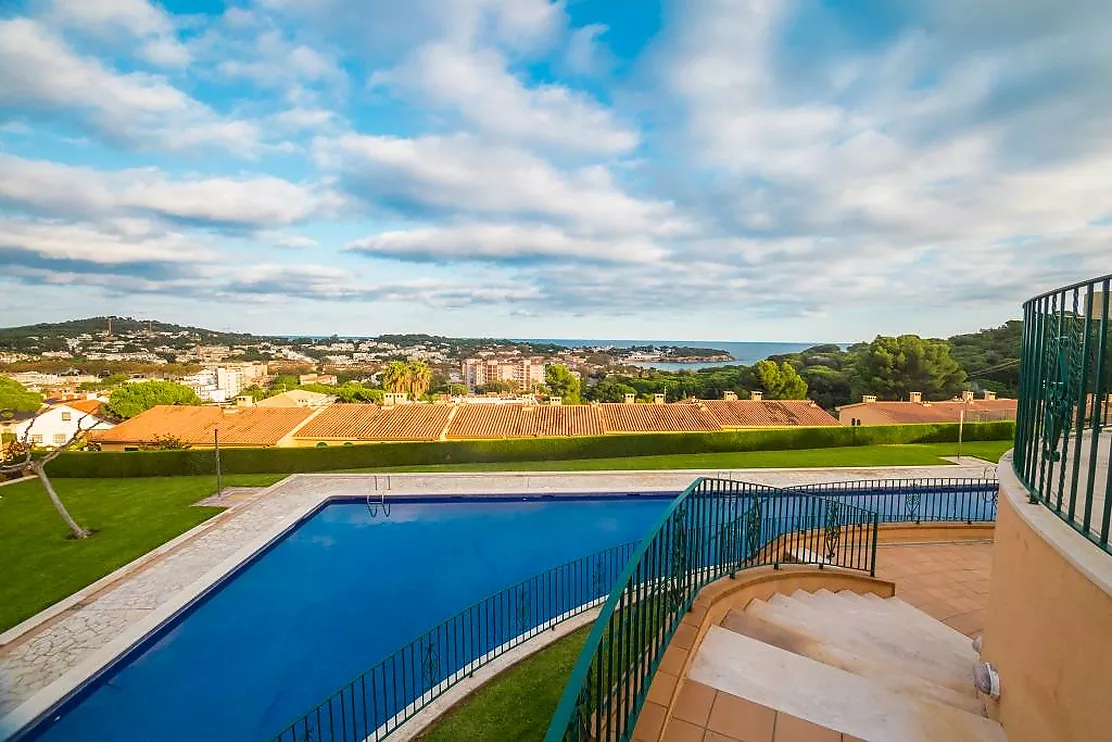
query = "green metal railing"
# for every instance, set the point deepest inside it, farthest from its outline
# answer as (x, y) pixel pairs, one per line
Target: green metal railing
(387, 695)
(1062, 452)
(714, 528)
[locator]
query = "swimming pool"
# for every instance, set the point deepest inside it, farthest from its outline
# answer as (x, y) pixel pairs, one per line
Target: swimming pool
(333, 596)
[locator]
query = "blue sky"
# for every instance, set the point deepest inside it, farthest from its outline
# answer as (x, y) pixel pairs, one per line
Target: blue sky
(740, 170)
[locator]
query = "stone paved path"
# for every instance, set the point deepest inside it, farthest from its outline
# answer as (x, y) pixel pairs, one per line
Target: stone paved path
(43, 654)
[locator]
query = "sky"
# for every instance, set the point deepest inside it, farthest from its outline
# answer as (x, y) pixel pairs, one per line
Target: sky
(777, 170)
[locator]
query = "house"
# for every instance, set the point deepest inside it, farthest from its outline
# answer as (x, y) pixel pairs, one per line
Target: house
(740, 414)
(297, 398)
(197, 427)
(350, 423)
(871, 411)
(57, 424)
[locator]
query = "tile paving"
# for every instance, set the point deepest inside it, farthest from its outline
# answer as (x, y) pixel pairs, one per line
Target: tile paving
(44, 653)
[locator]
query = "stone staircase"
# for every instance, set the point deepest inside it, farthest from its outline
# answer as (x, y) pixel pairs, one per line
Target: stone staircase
(871, 668)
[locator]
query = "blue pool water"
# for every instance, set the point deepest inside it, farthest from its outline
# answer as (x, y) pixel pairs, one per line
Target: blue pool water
(336, 595)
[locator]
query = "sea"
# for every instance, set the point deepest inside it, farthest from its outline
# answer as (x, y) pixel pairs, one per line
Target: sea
(743, 353)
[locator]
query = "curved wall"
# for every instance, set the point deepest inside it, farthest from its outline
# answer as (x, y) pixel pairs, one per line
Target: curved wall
(1048, 629)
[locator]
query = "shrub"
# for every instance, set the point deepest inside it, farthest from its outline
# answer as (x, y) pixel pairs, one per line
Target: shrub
(330, 458)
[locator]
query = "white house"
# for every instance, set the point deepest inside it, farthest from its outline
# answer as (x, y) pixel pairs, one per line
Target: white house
(57, 424)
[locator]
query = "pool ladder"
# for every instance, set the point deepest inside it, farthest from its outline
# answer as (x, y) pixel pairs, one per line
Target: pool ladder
(377, 499)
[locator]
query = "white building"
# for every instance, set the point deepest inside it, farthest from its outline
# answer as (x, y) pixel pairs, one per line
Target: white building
(56, 425)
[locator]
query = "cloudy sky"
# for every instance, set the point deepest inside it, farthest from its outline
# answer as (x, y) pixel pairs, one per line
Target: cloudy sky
(704, 169)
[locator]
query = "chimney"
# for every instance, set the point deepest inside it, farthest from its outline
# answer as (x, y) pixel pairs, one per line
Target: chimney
(756, 396)
(630, 398)
(967, 395)
(729, 396)
(245, 400)
(989, 396)
(556, 401)
(915, 397)
(868, 398)
(658, 399)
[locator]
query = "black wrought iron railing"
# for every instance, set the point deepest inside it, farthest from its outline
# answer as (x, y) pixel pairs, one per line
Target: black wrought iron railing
(1062, 449)
(956, 500)
(384, 697)
(714, 528)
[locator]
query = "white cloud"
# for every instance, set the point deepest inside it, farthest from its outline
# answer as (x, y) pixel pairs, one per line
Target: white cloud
(270, 59)
(135, 109)
(584, 55)
(62, 190)
(139, 19)
(112, 243)
(477, 84)
(504, 243)
(336, 284)
(460, 174)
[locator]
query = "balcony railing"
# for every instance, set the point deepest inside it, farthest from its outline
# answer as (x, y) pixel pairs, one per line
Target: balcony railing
(715, 528)
(1062, 449)
(936, 500)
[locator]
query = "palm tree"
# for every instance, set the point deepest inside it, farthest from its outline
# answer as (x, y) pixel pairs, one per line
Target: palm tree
(396, 377)
(420, 377)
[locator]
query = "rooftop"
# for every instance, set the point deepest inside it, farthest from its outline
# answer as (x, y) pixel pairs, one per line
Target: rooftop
(193, 425)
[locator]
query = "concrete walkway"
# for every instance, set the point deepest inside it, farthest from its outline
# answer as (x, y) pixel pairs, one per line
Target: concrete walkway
(48, 655)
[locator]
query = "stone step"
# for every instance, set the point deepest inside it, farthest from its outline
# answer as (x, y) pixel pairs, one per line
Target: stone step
(802, 644)
(856, 636)
(862, 707)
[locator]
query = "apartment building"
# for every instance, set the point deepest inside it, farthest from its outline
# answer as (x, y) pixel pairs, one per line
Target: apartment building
(527, 372)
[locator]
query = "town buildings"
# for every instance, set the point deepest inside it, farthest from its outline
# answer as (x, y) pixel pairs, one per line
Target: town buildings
(525, 372)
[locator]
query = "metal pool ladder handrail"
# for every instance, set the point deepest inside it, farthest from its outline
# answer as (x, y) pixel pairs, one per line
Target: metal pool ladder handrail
(713, 529)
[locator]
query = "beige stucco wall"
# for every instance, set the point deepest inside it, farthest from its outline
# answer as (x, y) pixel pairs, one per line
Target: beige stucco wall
(1048, 629)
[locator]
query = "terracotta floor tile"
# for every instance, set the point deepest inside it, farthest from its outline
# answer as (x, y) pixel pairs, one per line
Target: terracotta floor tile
(741, 719)
(650, 722)
(693, 704)
(679, 730)
(662, 686)
(716, 737)
(793, 729)
(684, 636)
(673, 660)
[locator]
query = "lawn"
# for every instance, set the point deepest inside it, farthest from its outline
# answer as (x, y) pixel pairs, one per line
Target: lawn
(130, 516)
(516, 705)
(909, 454)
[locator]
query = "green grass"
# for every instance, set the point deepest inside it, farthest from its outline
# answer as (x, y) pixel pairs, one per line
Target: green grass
(130, 516)
(909, 454)
(519, 703)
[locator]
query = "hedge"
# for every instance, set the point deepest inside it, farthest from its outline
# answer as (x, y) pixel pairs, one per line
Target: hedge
(295, 460)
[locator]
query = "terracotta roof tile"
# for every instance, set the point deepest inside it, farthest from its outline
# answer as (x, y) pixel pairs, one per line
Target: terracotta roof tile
(367, 422)
(87, 406)
(517, 421)
(906, 413)
(752, 413)
(656, 418)
(239, 426)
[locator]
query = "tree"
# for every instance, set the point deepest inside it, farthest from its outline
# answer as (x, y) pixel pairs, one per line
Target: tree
(609, 390)
(780, 381)
(20, 456)
(891, 367)
(14, 397)
(562, 383)
(420, 376)
(395, 377)
(131, 399)
(457, 390)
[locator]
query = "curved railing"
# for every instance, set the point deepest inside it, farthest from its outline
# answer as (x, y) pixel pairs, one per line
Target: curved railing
(1062, 452)
(384, 697)
(713, 529)
(927, 500)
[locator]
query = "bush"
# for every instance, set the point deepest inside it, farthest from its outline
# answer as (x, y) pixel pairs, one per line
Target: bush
(330, 458)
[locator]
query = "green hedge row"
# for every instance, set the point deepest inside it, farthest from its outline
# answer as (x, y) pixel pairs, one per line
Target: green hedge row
(294, 460)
